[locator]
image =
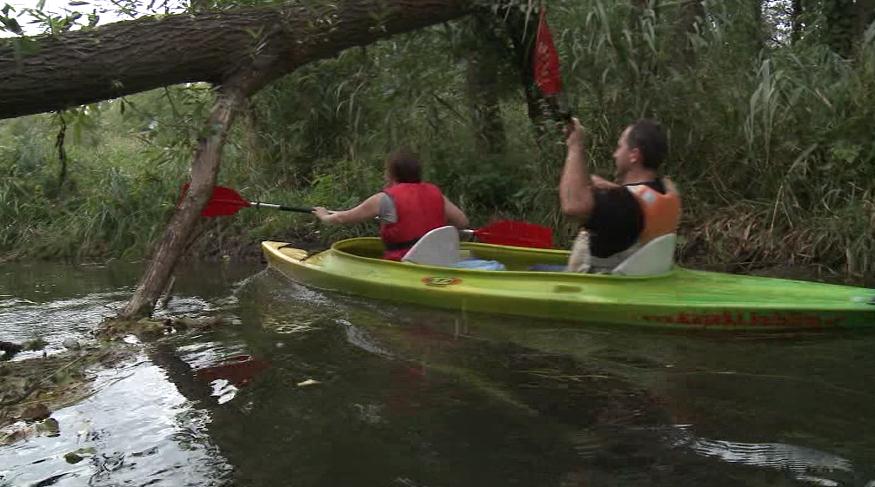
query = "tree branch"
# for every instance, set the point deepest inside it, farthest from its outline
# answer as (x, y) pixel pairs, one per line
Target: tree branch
(47, 73)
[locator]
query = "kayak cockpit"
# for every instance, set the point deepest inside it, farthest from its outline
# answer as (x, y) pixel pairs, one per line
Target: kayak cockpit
(511, 258)
(441, 247)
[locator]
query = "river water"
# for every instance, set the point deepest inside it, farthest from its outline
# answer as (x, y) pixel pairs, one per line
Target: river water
(344, 391)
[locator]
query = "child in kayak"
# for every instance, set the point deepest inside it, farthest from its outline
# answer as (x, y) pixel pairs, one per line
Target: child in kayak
(407, 208)
(618, 218)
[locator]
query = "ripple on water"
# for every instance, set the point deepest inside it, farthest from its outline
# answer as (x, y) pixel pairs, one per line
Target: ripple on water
(205, 354)
(361, 339)
(54, 321)
(805, 464)
(137, 428)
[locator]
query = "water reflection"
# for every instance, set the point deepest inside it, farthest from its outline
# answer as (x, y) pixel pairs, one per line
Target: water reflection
(359, 392)
(136, 429)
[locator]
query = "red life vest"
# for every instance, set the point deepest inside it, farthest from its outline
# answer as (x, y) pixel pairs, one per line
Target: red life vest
(662, 212)
(420, 208)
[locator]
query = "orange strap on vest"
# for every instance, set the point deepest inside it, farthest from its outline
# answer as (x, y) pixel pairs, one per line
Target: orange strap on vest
(662, 212)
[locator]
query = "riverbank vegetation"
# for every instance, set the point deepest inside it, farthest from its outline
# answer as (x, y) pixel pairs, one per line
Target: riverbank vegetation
(770, 108)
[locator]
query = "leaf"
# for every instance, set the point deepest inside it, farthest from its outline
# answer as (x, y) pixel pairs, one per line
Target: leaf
(11, 25)
(76, 3)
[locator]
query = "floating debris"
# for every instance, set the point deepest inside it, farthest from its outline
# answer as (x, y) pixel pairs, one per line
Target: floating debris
(35, 412)
(147, 329)
(22, 430)
(35, 344)
(30, 389)
(79, 455)
(308, 382)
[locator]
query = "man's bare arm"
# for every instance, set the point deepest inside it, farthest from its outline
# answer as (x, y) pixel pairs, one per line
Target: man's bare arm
(575, 186)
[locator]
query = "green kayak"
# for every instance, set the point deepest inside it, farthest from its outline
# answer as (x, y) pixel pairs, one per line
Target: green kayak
(680, 298)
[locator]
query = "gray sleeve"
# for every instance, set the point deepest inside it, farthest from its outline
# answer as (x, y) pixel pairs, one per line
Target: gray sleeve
(387, 210)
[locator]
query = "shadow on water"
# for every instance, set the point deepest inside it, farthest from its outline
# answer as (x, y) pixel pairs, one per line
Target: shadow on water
(358, 392)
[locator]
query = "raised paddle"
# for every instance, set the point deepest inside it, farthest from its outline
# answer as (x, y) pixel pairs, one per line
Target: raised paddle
(226, 201)
(545, 69)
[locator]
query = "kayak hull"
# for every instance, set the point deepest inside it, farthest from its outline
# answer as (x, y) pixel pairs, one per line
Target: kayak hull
(681, 298)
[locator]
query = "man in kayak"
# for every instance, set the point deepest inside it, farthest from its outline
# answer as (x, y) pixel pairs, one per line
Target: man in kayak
(407, 208)
(618, 218)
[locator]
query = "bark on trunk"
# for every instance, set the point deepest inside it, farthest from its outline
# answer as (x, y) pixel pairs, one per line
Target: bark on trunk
(482, 87)
(62, 151)
(865, 15)
(846, 22)
(204, 170)
(51, 73)
(796, 16)
(691, 16)
(840, 25)
(758, 31)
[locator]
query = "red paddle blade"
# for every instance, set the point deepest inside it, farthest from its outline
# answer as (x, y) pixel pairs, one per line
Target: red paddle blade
(545, 59)
(223, 202)
(517, 234)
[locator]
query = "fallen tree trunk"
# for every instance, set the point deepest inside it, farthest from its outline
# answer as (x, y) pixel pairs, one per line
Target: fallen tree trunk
(47, 73)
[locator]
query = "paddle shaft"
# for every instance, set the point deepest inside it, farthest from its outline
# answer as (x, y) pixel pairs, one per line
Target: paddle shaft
(298, 209)
(226, 201)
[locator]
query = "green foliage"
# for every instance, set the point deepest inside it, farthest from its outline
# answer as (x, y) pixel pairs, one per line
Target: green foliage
(771, 139)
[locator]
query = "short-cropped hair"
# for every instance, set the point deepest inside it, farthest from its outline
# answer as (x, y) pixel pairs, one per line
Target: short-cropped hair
(649, 137)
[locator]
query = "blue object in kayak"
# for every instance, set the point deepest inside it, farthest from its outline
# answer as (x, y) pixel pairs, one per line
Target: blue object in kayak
(547, 268)
(480, 265)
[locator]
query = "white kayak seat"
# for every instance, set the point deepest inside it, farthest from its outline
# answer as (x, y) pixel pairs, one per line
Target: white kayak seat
(654, 257)
(439, 246)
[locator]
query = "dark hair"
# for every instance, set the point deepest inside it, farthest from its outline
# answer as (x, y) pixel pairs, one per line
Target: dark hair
(403, 166)
(648, 136)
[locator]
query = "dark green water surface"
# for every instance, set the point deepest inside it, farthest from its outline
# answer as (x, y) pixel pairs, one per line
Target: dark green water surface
(407, 396)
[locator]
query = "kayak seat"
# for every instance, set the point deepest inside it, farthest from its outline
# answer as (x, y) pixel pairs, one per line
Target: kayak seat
(437, 247)
(441, 247)
(655, 257)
